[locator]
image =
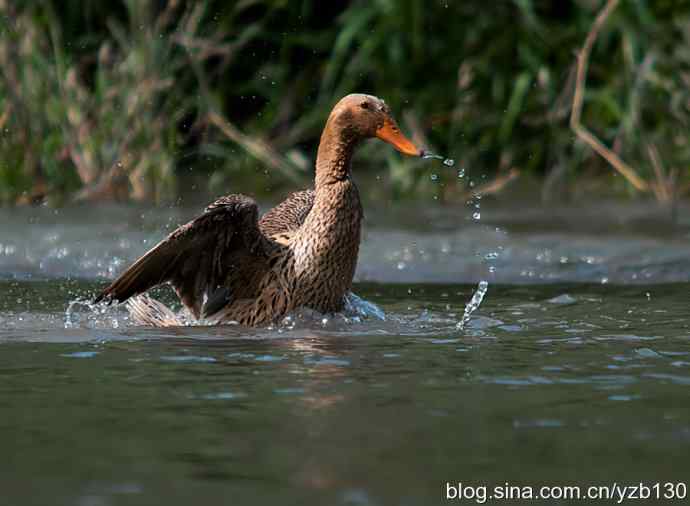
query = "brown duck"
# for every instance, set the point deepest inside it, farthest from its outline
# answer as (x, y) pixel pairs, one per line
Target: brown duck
(227, 265)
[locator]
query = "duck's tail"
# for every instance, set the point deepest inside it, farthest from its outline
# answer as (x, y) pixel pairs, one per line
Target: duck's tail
(152, 313)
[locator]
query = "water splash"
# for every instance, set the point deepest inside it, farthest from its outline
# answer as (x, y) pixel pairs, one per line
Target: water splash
(487, 258)
(474, 303)
(82, 313)
(355, 305)
(448, 162)
(355, 311)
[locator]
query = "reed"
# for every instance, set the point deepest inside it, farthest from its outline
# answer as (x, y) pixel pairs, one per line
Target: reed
(124, 101)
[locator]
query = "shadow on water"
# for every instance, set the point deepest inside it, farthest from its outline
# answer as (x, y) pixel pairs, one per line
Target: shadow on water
(563, 383)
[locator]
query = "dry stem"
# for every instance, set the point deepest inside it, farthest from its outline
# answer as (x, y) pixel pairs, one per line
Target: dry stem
(496, 185)
(255, 147)
(583, 133)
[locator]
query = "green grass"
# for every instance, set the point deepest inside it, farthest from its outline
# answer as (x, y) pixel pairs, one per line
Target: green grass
(111, 102)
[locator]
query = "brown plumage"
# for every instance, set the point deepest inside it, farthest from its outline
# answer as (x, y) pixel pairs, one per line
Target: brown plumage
(227, 265)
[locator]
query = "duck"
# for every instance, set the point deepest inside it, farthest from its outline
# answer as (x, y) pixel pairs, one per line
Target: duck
(228, 265)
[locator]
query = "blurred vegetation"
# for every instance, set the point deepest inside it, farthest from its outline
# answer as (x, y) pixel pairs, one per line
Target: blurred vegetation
(148, 99)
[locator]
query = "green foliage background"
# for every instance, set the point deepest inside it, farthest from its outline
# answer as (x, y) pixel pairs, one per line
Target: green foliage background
(102, 100)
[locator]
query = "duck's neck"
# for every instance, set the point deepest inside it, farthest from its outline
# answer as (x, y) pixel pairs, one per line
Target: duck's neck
(328, 241)
(334, 156)
(336, 202)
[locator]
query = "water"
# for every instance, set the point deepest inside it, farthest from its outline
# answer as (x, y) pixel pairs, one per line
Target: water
(483, 286)
(474, 303)
(448, 162)
(555, 378)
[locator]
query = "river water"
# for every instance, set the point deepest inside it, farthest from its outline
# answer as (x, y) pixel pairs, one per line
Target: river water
(575, 369)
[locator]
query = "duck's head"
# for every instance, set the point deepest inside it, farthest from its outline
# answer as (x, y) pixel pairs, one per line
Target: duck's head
(365, 116)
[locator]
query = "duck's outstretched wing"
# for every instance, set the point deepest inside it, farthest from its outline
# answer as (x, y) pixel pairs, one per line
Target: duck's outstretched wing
(288, 215)
(198, 257)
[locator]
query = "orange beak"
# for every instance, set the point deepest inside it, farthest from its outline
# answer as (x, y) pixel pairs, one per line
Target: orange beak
(390, 133)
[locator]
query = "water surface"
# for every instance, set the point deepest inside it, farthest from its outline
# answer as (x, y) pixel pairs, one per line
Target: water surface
(578, 374)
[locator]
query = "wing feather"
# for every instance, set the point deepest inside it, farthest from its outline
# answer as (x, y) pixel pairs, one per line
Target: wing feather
(288, 215)
(197, 257)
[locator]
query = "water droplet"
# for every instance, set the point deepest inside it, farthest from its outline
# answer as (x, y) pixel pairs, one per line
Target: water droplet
(434, 177)
(448, 162)
(461, 173)
(477, 215)
(474, 303)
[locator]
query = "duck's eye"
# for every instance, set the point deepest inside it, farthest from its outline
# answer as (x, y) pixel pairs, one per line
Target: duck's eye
(364, 105)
